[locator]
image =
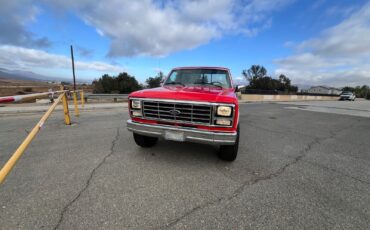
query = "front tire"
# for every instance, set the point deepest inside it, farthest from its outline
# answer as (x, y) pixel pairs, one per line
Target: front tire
(229, 152)
(145, 141)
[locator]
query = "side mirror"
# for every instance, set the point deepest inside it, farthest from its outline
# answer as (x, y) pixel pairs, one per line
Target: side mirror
(162, 81)
(239, 87)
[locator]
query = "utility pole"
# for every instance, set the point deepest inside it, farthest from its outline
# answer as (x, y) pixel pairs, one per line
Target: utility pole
(73, 69)
(74, 85)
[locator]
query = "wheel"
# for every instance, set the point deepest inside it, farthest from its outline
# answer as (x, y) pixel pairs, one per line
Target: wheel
(145, 141)
(229, 152)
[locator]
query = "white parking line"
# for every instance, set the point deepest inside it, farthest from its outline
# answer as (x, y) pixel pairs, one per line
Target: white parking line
(359, 108)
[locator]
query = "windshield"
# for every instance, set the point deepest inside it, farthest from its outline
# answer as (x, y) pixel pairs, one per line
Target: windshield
(209, 77)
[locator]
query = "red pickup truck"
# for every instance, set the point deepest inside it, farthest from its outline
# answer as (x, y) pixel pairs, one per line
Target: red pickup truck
(196, 104)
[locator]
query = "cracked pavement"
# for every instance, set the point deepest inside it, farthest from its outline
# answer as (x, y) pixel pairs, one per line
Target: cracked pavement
(295, 169)
(65, 209)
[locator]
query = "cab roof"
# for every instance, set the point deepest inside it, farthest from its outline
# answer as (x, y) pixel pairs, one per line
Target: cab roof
(202, 67)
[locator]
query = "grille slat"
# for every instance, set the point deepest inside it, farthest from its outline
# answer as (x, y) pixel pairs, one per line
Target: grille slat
(186, 113)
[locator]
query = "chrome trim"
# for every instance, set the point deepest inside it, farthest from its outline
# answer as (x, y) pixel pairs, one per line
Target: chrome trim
(190, 134)
(182, 101)
(212, 104)
(188, 113)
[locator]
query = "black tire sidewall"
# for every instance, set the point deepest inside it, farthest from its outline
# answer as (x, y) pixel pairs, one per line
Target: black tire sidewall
(144, 141)
(230, 152)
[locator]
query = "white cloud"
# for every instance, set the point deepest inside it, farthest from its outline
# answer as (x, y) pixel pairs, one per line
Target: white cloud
(134, 28)
(15, 16)
(143, 28)
(339, 56)
(159, 28)
(24, 58)
(255, 16)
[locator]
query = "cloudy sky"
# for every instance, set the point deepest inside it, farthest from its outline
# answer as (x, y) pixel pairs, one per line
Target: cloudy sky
(311, 41)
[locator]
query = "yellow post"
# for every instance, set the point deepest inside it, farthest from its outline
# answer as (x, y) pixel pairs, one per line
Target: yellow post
(75, 103)
(67, 118)
(18, 153)
(82, 98)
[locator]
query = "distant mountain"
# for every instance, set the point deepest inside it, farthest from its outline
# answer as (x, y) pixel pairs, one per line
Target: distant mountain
(28, 76)
(5, 74)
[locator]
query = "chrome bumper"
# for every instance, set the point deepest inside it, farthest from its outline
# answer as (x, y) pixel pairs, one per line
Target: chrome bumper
(189, 134)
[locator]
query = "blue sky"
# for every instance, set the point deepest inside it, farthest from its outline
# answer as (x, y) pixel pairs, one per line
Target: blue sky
(312, 42)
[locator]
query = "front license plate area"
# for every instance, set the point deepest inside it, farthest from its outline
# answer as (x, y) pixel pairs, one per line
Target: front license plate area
(174, 136)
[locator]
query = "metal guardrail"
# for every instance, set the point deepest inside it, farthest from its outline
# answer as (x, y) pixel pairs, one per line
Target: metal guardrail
(105, 96)
(20, 150)
(278, 92)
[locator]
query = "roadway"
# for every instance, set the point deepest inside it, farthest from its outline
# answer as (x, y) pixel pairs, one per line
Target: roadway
(296, 169)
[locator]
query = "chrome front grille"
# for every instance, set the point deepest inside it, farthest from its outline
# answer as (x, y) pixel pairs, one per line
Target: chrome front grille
(178, 112)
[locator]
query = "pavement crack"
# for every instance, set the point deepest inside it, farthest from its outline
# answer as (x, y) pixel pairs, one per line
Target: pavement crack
(303, 153)
(336, 171)
(188, 213)
(88, 181)
(227, 175)
(241, 188)
(295, 160)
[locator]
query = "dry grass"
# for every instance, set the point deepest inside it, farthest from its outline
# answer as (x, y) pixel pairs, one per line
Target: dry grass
(10, 87)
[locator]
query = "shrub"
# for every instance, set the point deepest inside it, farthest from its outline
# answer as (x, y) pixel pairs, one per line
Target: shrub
(28, 89)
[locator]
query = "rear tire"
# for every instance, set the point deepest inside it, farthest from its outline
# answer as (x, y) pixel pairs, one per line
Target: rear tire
(145, 141)
(229, 152)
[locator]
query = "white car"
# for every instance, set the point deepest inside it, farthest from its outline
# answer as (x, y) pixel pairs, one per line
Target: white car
(347, 96)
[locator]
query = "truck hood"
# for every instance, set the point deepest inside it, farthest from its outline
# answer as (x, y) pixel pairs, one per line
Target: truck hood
(189, 93)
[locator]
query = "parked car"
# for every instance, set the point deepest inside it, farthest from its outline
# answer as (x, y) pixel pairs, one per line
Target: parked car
(195, 104)
(347, 96)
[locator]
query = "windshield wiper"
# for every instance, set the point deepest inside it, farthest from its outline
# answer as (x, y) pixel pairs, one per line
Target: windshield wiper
(174, 83)
(212, 83)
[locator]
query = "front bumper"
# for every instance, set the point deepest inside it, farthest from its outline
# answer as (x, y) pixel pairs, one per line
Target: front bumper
(189, 134)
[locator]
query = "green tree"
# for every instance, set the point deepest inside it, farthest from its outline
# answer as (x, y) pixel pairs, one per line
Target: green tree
(153, 82)
(348, 89)
(365, 91)
(284, 82)
(123, 83)
(127, 83)
(258, 79)
(65, 83)
(359, 91)
(255, 71)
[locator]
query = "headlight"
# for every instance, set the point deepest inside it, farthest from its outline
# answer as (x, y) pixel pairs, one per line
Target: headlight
(137, 114)
(224, 111)
(136, 104)
(225, 122)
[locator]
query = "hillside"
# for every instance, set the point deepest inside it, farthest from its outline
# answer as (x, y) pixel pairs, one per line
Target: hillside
(16, 87)
(27, 75)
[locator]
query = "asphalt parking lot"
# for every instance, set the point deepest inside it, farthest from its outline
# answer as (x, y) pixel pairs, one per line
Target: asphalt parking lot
(297, 168)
